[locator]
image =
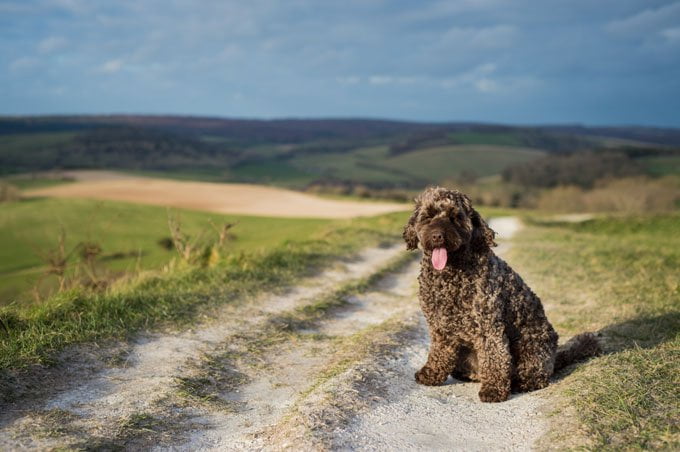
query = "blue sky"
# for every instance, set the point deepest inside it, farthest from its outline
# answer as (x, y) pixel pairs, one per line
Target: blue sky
(592, 62)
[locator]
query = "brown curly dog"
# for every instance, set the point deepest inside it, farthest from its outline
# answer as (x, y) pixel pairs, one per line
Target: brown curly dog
(485, 324)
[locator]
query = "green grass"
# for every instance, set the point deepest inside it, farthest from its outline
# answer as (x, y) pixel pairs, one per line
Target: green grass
(31, 147)
(37, 332)
(618, 276)
(33, 141)
(194, 174)
(30, 227)
(661, 166)
(271, 172)
(28, 183)
(374, 165)
(496, 139)
(446, 162)
(363, 165)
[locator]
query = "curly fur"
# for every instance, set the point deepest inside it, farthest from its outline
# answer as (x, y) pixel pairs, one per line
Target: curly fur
(485, 323)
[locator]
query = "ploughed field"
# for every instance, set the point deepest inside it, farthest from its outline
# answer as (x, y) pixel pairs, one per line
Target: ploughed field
(244, 199)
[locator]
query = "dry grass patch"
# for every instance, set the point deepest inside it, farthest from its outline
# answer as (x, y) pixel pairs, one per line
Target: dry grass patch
(617, 276)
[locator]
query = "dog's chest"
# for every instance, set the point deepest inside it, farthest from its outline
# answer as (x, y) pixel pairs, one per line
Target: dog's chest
(447, 300)
(449, 286)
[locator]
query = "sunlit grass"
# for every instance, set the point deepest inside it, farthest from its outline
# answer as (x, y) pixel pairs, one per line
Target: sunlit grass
(177, 295)
(618, 276)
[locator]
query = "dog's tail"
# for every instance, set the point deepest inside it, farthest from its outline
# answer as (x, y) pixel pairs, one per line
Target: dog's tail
(578, 348)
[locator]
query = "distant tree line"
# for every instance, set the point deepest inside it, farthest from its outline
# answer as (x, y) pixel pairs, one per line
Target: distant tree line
(525, 137)
(121, 147)
(581, 169)
(420, 140)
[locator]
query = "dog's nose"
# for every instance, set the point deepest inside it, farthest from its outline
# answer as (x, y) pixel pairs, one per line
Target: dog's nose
(438, 236)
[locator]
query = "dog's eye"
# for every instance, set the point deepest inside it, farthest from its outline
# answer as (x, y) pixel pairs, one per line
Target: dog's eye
(459, 217)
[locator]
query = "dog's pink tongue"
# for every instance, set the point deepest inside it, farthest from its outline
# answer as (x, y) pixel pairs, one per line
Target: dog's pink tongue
(439, 258)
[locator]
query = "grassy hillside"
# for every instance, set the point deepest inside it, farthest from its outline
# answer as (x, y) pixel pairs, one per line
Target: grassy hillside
(128, 234)
(448, 162)
(375, 166)
(362, 165)
(617, 276)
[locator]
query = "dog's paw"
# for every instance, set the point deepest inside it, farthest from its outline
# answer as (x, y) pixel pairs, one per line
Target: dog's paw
(427, 376)
(492, 394)
(528, 386)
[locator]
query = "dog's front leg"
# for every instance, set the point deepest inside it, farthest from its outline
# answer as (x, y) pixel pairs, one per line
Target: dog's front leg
(440, 361)
(495, 365)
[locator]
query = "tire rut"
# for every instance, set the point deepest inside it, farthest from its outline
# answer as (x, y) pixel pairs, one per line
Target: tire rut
(285, 377)
(376, 404)
(97, 407)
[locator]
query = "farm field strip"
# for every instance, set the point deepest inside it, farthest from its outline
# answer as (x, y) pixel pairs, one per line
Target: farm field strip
(242, 199)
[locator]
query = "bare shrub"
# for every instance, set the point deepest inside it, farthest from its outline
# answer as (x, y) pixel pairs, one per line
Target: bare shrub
(562, 199)
(9, 192)
(635, 194)
(496, 194)
(204, 249)
(582, 169)
(89, 252)
(56, 260)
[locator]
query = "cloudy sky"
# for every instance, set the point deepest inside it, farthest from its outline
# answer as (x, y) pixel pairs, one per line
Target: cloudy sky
(539, 61)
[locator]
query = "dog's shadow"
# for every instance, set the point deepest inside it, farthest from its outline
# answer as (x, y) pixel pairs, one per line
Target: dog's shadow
(644, 332)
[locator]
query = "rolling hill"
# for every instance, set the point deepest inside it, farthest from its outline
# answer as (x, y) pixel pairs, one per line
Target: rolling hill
(297, 153)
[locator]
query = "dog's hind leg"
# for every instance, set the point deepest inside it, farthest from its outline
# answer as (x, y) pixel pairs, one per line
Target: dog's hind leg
(534, 362)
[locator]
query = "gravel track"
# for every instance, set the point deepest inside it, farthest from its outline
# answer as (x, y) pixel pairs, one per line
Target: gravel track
(342, 382)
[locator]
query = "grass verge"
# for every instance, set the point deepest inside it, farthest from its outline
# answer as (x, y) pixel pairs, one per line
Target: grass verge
(129, 235)
(618, 276)
(36, 333)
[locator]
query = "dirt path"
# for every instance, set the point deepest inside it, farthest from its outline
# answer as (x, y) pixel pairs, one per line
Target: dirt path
(326, 365)
(246, 199)
(403, 415)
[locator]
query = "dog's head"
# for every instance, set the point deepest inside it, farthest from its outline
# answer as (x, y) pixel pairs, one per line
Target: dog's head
(445, 225)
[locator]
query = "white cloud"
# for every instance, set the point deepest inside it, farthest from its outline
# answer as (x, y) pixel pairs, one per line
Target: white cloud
(23, 63)
(16, 7)
(74, 6)
(393, 80)
(348, 80)
(444, 8)
(646, 21)
(671, 34)
(52, 43)
(479, 78)
(484, 37)
(111, 66)
(486, 85)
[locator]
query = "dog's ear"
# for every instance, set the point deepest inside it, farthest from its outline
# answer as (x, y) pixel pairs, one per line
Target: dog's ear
(410, 236)
(482, 234)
